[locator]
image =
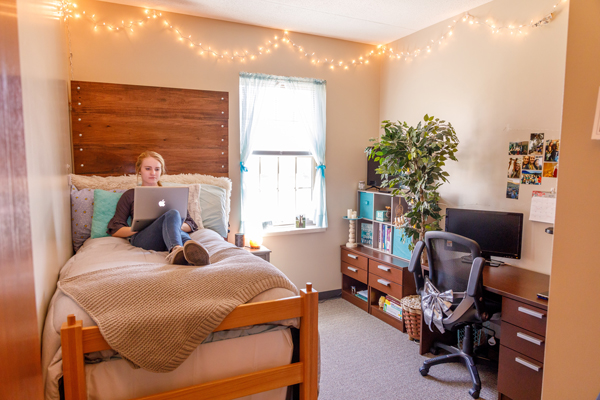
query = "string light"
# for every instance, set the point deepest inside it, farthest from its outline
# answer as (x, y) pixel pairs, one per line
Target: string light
(65, 10)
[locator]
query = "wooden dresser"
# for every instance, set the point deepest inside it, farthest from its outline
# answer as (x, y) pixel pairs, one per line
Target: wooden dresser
(379, 274)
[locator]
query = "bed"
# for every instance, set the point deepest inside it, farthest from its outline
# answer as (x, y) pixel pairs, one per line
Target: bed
(249, 352)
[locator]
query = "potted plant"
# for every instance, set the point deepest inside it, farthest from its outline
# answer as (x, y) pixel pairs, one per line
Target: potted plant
(413, 157)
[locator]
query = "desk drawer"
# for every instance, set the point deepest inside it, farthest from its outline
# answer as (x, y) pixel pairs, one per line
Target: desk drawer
(519, 377)
(385, 285)
(355, 259)
(525, 316)
(385, 271)
(523, 341)
(354, 272)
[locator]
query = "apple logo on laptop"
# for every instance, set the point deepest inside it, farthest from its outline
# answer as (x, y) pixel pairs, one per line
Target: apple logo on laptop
(161, 203)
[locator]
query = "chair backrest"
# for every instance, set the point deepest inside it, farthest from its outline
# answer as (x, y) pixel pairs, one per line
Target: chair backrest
(450, 258)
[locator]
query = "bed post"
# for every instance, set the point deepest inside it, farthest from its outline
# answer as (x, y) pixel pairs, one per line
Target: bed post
(309, 342)
(71, 338)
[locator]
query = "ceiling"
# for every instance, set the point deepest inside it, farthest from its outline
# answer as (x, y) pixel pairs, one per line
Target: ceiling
(364, 21)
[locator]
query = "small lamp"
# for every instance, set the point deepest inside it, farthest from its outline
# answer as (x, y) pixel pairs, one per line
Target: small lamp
(256, 242)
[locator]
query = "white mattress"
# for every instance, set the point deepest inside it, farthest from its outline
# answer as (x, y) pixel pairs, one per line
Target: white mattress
(110, 252)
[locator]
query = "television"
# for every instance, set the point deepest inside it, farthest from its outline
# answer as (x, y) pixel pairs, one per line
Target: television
(373, 178)
(499, 234)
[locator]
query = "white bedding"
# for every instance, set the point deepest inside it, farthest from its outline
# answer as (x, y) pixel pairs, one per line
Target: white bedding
(110, 252)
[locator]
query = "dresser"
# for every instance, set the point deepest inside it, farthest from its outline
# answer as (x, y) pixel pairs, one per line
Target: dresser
(379, 274)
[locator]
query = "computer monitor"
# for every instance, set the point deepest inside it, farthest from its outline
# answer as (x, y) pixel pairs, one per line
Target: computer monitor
(499, 234)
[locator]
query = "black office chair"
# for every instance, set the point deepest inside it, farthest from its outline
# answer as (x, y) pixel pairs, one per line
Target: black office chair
(450, 267)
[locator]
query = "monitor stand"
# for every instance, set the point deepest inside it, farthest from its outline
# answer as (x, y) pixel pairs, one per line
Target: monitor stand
(492, 263)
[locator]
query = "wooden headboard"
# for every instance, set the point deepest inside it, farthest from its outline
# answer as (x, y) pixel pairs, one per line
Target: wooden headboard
(112, 124)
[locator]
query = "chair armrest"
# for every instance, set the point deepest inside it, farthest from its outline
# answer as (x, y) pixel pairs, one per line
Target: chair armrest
(474, 288)
(414, 266)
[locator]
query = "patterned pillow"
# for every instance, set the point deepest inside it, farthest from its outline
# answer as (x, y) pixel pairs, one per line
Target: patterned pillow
(82, 210)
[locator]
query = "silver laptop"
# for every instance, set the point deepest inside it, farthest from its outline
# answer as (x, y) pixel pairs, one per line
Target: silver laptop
(150, 202)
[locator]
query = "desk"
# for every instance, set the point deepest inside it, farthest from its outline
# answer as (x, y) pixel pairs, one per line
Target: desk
(517, 289)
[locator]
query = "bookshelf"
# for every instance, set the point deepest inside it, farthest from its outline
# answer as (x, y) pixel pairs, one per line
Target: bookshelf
(384, 236)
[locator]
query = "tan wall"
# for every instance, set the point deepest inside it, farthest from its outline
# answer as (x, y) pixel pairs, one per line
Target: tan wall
(494, 90)
(571, 367)
(44, 71)
(153, 56)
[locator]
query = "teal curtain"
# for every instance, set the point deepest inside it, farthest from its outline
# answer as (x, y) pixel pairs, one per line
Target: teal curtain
(315, 120)
(252, 90)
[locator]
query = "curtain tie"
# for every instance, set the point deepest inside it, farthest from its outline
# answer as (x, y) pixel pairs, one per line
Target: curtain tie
(322, 168)
(243, 167)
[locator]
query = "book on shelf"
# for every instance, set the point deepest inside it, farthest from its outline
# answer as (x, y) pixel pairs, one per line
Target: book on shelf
(391, 306)
(363, 295)
(366, 234)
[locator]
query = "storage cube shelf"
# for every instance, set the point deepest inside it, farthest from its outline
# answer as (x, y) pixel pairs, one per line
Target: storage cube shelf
(378, 235)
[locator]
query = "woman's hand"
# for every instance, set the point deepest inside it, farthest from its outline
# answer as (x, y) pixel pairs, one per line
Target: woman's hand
(124, 232)
(185, 227)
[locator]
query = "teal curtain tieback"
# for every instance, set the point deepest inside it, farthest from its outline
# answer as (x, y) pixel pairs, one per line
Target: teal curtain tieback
(322, 168)
(243, 167)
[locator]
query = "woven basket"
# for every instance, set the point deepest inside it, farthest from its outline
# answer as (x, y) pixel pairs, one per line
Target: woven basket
(411, 314)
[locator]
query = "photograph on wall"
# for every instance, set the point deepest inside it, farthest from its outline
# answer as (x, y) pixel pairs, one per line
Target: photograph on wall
(536, 144)
(538, 162)
(531, 177)
(528, 163)
(512, 189)
(514, 167)
(551, 154)
(517, 148)
(550, 170)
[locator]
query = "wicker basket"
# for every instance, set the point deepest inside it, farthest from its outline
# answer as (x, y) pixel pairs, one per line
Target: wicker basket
(411, 314)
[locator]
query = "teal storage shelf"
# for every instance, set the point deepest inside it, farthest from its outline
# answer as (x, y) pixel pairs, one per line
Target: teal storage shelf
(366, 205)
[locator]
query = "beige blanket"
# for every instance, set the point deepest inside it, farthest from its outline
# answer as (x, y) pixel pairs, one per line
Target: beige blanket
(155, 315)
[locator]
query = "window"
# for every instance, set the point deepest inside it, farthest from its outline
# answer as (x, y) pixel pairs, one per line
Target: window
(282, 152)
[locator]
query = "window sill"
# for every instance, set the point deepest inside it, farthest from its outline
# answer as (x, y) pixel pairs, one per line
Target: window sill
(292, 231)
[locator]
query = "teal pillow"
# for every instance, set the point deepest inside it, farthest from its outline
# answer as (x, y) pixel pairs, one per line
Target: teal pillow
(105, 205)
(213, 202)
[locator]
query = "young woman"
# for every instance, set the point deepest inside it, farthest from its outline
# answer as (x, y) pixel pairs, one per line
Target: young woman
(169, 232)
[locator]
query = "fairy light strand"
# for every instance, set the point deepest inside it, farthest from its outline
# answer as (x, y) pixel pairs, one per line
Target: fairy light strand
(67, 10)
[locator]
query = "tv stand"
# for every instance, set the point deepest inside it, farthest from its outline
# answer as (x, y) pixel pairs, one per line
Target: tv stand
(492, 263)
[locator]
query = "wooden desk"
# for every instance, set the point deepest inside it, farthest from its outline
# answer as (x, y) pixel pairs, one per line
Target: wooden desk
(522, 314)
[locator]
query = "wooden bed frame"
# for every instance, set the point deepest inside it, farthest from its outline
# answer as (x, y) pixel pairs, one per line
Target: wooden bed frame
(77, 341)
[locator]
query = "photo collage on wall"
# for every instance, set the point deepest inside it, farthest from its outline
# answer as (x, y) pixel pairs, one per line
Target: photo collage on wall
(538, 158)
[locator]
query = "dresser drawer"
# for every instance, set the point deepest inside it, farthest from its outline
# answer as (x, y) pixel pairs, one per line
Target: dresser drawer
(523, 341)
(519, 376)
(385, 271)
(355, 259)
(385, 285)
(354, 272)
(525, 316)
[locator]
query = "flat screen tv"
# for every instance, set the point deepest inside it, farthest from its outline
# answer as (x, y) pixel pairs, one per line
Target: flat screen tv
(499, 234)
(373, 178)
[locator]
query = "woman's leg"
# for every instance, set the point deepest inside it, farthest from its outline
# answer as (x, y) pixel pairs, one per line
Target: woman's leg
(171, 230)
(162, 235)
(151, 237)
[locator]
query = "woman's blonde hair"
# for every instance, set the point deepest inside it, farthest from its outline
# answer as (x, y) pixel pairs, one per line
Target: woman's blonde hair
(156, 156)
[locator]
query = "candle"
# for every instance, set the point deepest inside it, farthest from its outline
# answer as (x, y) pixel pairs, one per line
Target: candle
(354, 214)
(349, 213)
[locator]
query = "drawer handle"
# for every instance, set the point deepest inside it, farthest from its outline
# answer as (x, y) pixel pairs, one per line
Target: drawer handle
(528, 364)
(383, 282)
(530, 338)
(384, 268)
(531, 312)
(352, 269)
(353, 256)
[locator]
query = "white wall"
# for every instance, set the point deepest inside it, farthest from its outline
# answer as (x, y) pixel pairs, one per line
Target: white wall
(44, 74)
(151, 55)
(494, 89)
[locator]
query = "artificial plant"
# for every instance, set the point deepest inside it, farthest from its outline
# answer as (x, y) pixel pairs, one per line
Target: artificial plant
(413, 157)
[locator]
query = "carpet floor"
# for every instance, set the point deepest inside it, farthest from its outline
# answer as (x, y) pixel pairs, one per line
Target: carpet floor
(362, 357)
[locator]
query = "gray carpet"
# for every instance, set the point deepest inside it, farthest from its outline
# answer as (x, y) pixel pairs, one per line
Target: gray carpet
(362, 357)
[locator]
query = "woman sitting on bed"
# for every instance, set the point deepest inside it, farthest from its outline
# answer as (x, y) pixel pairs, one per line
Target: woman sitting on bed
(169, 232)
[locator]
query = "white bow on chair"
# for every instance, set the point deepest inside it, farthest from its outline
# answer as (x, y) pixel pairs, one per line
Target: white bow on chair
(435, 305)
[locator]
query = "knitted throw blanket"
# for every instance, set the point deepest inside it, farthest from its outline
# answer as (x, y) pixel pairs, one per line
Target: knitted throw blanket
(155, 315)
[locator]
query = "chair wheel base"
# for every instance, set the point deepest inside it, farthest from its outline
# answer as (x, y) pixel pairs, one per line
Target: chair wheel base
(474, 393)
(424, 371)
